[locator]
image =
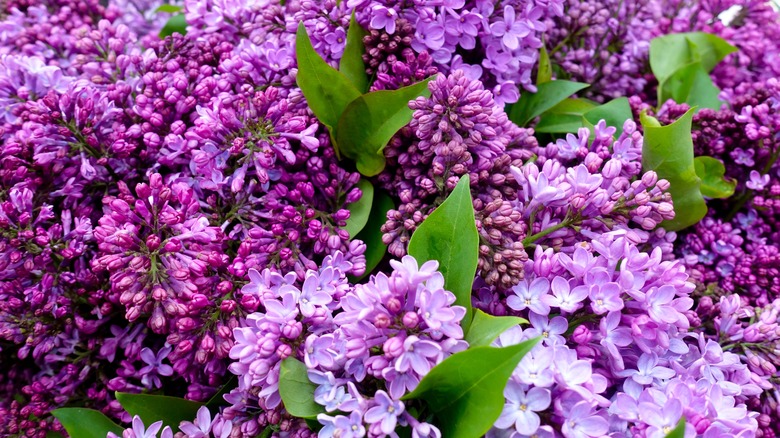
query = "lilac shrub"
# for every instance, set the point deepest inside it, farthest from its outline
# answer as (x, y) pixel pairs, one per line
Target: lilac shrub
(180, 216)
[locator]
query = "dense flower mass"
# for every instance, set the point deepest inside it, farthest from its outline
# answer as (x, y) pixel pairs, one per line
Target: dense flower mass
(185, 212)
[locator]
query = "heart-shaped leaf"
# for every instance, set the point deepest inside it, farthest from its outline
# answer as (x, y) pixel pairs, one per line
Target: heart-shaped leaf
(297, 391)
(360, 210)
(327, 91)
(486, 328)
(351, 63)
(449, 235)
(371, 120)
(547, 96)
(466, 390)
(86, 423)
(712, 172)
(151, 408)
(668, 150)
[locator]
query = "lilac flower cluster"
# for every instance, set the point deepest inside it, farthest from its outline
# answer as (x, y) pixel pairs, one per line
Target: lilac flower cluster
(614, 325)
(141, 179)
(495, 42)
(172, 209)
(605, 44)
(459, 130)
(617, 34)
(364, 345)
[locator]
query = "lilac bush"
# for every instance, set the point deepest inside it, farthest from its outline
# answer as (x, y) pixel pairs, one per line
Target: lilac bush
(559, 218)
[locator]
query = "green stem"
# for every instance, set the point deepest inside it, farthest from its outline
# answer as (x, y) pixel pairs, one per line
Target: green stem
(533, 238)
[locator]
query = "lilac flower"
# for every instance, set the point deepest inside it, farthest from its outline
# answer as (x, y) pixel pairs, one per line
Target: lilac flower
(154, 366)
(613, 337)
(347, 427)
(281, 312)
(662, 421)
(647, 370)
(530, 296)
(408, 270)
(522, 407)
(581, 422)
(337, 41)
(201, 428)
(536, 368)
(571, 371)
(312, 294)
(383, 18)
(510, 30)
(429, 35)
(744, 157)
(605, 297)
(661, 306)
(140, 431)
(385, 412)
(549, 330)
(318, 351)
(579, 263)
(565, 297)
(757, 181)
(436, 311)
(417, 355)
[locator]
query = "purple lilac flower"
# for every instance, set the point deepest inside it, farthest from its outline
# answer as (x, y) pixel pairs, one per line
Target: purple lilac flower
(530, 296)
(140, 431)
(385, 412)
(581, 422)
(522, 407)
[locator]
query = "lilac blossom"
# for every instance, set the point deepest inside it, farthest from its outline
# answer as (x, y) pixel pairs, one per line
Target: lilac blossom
(520, 411)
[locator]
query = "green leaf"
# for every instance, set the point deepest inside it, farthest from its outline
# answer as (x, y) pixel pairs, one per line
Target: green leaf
(371, 120)
(449, 235)
(176, 24)
(712, 172)
(564, 118)
(297, 390)
(151, 408)
(544, 74)
(614, 113)
(169, 9)
(486, 328)
(327, 91)
(670, 52)
(679, 431)
(352, 60)
(86, 423)
(690, 84)
(360, 210)
(466, 390)
(267, 432)
(53, 434)
(371, 234)
(668, 150)
(547, 96)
